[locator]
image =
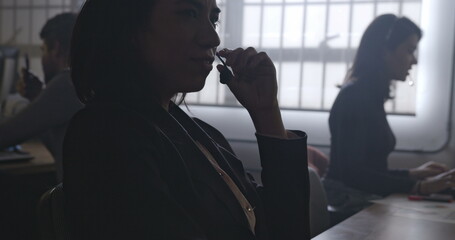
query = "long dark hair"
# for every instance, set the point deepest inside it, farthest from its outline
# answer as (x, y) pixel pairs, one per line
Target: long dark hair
(105, 58)
(386, 32)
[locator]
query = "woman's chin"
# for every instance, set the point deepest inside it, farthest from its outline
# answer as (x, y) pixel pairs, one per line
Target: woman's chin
(196, 87)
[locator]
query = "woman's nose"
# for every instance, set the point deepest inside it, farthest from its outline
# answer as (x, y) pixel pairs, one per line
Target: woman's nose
(208, 37)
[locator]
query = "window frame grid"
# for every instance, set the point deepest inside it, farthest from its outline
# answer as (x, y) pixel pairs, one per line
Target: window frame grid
(304, 54)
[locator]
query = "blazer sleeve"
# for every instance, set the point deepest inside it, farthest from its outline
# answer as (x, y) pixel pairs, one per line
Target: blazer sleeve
(112, 185)
(285, 192)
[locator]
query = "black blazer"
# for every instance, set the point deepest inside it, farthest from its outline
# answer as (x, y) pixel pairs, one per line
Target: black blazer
(361, 141)
(134, 172)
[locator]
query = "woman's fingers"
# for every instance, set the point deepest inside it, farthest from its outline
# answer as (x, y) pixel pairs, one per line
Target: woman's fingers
(243, 59)
(239, 58)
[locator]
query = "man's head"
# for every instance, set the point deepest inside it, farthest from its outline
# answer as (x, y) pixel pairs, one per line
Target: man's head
(56, 36)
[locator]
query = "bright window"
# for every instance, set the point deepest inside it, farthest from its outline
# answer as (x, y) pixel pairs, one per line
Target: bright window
(312, 43)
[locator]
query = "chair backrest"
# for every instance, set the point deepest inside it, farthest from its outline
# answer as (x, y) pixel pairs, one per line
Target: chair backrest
(51, 217)
(319, 215)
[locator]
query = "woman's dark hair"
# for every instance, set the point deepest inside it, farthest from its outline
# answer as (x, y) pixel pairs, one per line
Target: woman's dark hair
(105, 58)
(385, 32)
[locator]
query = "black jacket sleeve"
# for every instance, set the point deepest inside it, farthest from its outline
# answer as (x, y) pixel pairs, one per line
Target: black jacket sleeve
(286, 188)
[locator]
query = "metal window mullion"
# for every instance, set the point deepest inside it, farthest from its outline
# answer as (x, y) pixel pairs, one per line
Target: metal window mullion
(301, 53)
(323, 50)
(351, 13)
(261, 25)
(280, 58)
(375, 8)
(394, 86)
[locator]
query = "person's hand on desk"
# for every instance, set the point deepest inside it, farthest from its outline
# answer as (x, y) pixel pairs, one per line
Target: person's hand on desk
(426, 170)
(436, 183)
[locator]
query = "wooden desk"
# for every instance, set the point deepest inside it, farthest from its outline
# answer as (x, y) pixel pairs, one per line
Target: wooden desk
(382, 222)
(42, 160)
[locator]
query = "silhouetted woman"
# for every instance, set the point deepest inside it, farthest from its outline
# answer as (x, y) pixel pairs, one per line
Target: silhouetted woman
(361, 138)
(137, 167)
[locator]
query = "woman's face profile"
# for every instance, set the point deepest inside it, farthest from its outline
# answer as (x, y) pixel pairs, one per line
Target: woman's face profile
(180, 43)
(400, 60)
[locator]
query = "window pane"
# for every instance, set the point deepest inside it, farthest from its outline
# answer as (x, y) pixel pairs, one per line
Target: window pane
(362, 16)
(39, 2)
(338, 26)
(7, 3)
(315, 22)
(312, 85)
(55, 11)
(252, 1)
(412, 11)
(271, 28)
(289, 84)
(39, 18)
(55, 2)
(22, 3)
(251, 23)
(23, 23)
(191, 97)
(384, 8)
(7, 26)
(293, 26)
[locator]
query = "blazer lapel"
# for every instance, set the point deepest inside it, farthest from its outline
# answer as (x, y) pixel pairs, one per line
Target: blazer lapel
(199, 167)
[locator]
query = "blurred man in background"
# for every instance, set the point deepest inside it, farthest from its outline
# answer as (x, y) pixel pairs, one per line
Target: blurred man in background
(45, 117)
(51, 108)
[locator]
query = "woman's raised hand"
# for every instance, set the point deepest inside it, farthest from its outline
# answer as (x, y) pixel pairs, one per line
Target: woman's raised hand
(254, 83)
(255, 86)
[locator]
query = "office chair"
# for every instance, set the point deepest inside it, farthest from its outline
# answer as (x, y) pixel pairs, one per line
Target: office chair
(51, 218)
(319, 215)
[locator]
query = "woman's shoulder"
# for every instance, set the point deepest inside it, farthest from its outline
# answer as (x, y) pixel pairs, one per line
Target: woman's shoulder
(354, 95)
(353, 91)
(109, 117)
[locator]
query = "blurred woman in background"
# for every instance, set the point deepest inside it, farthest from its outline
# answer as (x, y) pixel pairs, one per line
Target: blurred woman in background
(361, 138)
